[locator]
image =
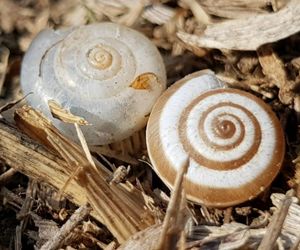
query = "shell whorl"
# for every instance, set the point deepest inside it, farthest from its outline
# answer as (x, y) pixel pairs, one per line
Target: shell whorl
(99, 61)
(234, 141)
(100, 57)
(93, 71)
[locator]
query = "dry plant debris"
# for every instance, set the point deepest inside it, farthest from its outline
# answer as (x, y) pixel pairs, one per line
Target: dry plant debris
(251, 45)
(234, 235)
(65, 230)
(248, 33)
(120, 204)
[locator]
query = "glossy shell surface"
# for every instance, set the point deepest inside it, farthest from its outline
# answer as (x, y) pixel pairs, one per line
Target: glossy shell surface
(233, 139)
(89, 71)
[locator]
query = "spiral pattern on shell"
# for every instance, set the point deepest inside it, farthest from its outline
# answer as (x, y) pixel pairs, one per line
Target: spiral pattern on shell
(97, 60)
(90, 70)
(233, 139)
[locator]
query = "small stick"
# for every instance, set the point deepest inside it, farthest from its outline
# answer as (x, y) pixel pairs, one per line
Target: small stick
(7, 176)
(58, 239)
(275, 226)
(173, 204)
(16, 201)
(18, 238)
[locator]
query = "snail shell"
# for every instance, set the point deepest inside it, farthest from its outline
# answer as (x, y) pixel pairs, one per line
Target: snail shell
(233, 139)
(90, 70)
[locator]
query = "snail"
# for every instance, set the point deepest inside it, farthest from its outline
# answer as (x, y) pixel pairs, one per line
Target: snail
(233, 140)
(106, 73)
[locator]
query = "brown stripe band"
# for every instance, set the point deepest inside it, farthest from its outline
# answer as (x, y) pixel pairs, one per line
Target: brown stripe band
(202, 160)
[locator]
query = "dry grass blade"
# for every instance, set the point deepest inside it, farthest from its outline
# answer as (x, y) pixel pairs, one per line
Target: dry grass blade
(120, 207)
(248, 33)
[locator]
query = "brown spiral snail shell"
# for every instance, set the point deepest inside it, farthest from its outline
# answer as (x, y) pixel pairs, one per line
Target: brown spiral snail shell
(233, 139)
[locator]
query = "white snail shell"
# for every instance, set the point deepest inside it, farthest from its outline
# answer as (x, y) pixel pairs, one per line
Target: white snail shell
(89, 71)
(233, 139)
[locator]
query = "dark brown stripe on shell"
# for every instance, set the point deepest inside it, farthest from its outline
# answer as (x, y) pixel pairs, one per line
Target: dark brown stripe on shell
(202, 160)
(209, 196)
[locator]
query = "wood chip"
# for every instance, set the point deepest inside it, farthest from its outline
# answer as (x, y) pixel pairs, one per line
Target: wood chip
(274, 70)
(248, 33)
(234, 9)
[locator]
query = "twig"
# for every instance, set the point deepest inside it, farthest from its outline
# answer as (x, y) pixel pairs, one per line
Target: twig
(58, 239)
(28, 202)
(7, 176)
(275, 226)
(173, 206)
(16, 201)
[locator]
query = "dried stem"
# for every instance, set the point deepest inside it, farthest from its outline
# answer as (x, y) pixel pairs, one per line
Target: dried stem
(275, 226)
(120, 207)
(173, 208)
(58, 239)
